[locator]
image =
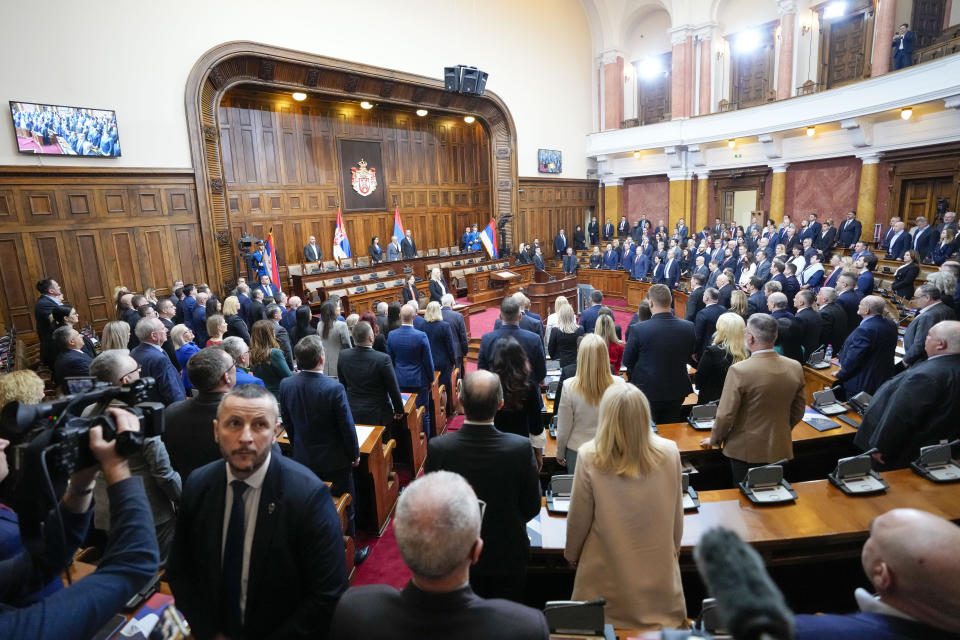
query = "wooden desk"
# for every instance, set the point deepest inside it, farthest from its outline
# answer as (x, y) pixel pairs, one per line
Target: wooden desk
(377, 485)
(543, 293)
(821, 524)
(438, 406)
(486, 285)
(818, 380)
(409, 433)
(611, 283)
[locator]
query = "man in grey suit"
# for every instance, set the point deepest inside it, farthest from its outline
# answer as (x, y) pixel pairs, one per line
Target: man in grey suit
(932, 311)
(393, 250)
(455, 320)
(274, 315)
(312, 252)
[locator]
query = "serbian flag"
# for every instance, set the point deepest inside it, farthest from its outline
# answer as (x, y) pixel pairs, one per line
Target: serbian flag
(270, 259)
(397, 225)
(341, 244)
(489, 239)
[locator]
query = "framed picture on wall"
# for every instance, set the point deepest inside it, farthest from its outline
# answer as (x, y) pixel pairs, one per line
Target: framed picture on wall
(363, 181)
(56, 130)
(549, 161)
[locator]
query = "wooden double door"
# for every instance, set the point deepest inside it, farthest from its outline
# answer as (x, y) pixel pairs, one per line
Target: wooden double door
(919, 197)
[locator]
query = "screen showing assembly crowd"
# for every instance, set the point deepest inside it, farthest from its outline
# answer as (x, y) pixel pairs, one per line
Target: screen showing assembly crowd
(46, 129)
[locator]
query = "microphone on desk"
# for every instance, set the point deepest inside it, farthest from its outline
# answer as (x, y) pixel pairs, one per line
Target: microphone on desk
(750, 605)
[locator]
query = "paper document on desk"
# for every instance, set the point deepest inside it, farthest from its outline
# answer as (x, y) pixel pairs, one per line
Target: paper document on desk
(363, 432)
(534, 532)
(819, 421)
(561, 504)
(776, 493)
(899, 350)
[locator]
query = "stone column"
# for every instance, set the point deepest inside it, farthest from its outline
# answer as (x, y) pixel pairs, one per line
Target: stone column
(705, 101)
(867, 198)
(612, 202)
(778, 192)
(882, 37)
(611, 68)
(681, 197)
(788, 18)
(681, 78)
(703, 203)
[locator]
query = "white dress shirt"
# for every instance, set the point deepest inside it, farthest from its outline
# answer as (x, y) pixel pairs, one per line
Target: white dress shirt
(251, 503)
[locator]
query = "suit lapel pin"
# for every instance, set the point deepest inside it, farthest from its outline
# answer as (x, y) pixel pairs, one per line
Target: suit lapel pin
(271, 508)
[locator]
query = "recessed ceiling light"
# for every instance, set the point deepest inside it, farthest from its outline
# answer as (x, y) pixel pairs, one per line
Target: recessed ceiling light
(366, 105)
(469, 119)
(299, 96)
(731, 143)
(811, 130)
(906, 112)
(636, 154)
(422, 112)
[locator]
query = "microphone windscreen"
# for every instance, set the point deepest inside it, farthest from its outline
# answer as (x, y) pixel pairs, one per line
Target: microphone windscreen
(749, 603)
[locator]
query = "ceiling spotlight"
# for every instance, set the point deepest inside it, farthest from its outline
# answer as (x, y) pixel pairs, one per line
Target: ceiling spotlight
(906, 112)
(422, 112)
(299, 96)
(731, 143)
(469, 119)
(636, 155)
(366, 105)
(811, 130)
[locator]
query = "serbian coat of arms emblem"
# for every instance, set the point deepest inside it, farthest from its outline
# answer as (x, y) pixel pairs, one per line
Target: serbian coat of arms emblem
(363, 180)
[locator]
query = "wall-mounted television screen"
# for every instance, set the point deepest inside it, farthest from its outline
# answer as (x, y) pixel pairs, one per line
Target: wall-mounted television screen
(48, 129)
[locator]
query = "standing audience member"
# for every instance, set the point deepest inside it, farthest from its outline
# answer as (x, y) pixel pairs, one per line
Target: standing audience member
(606, 329)
(438, 526)
(564, 338)
(235, 324)
(510, 327)
(266, 359)
(728, 348)
(754, 423)
(520, 413)
(369, 379)
(240, 352)
(833, 328)
(932, 311)
(50, 298)
(303, 327)
(182, 338)
(579, 400)
(229, 572)
(154, 362)
(626, 518)
(65, 315)
(808, 323)
(216, 329)
(438, 287)
(706, 322)
(502, 469)
(866, 360)
(461, 341)
(335, 336)
(71, 361)
(413, 362)
(441, 344)
(275, 315)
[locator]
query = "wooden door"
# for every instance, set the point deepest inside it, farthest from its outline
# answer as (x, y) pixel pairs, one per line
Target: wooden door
(726, 212)
(845, 58)
(927, 21)
(753, 73)
(653, 95)
(920, 198)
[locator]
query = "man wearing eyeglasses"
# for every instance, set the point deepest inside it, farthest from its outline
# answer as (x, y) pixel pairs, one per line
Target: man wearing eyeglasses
(932, 311)
(154, 362)
(502, 469)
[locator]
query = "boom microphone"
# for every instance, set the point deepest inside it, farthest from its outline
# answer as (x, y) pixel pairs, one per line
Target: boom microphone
(750, 605)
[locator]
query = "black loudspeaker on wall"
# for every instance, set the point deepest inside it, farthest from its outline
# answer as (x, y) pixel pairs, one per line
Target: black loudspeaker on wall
(463, 79)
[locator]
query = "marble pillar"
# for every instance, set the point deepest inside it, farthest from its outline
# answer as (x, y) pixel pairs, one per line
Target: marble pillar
(681, 198)
(612, 91)
(681, 72)
(705, 103)
(882, 37)
(703, 204)
(785, 67)
(778, 193)
(867, 197)
(612, 202)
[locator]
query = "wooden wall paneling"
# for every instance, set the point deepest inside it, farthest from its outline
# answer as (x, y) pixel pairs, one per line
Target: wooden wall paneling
(40, 206)
(155, 259)
(17, 289)
(8, 208)
(116, 202)
(92, 283)
(122, 247)
(79, 204)
(185, 242)
(49, 251)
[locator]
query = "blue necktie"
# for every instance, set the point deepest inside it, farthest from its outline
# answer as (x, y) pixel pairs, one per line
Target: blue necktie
(232, 568)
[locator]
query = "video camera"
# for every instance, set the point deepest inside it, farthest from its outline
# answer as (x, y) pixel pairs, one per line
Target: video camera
(50, 441)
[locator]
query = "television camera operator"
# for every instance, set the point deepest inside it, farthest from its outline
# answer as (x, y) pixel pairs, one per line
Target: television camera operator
(30, 482)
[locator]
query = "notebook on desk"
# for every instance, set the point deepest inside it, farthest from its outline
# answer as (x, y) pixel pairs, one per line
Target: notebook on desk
(819, 422)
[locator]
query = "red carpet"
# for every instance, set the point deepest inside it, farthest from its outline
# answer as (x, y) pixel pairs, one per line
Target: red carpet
(384, 564)
(481, 323)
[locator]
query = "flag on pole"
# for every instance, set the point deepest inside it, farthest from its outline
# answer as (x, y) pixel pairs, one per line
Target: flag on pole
(489, 239)
(270, 259)
(397, 225)
(341, 244)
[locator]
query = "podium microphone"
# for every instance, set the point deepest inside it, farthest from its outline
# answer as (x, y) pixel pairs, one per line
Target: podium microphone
(750, 605)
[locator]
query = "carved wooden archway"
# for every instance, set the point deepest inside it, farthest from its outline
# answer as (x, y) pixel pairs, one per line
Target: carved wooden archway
(256, 64)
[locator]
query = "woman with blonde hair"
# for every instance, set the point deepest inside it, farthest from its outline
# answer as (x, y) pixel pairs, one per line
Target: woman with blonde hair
(580, 398)
(442, 347)
(738, 303)
(438, 287)
(553, 320)
(266, 358)
(216, 328)
(626, 517)
(562, 345)
(235, 324)
(115, 335)
(728, 348)
(182, 338)
(23, 386)
(607, 330)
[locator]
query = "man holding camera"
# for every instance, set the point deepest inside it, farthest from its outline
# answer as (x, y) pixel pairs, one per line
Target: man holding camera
(128, 562)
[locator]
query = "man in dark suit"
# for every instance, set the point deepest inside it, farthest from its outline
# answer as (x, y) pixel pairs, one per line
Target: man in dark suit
(705, 322)
(695, 302)
(531, 342)
(408, 248)
(275, 315)
(656, 356)
(256, 311)
(848, 233)
(461, 341)
(381, 313)
(932, 311)
(593, 230)
(154, 362)
(756, 302)
(50, 298)
(437, 525)
(827, 238)
(611, 261)
(560, 244)
(165, 311)
(502, 470)
(866, 361)
(809, 322)
(317, 417)
(671, 270)
(71, 361)
(911, 558)
(369, 380)
(588, 318)
(763, 265)
(902, 45)
(189, 436)
(528, 319)
(538, 263)
(269, 289)
(789, 332)
(833, 328)
(312, 252)
(608, 231)
(258, 550)
(623, 229)
(917, 408)
(570, 262)
(813, 229)
(849, 299)
(899, 242)
(724, 290)
(925, 238)
(412, 361)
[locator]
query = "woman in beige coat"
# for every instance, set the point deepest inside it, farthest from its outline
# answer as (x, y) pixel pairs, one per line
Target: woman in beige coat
(626, 517)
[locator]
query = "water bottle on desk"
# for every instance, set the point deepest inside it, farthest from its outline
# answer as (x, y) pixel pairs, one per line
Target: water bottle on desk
(828, 356)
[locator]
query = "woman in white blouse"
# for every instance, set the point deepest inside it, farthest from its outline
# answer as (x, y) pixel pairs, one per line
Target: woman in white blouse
(553, 320)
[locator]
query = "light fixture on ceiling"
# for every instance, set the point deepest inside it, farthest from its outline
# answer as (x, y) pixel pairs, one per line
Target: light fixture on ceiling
(469, 119)
(811, 130)
(366, 105)
(731, 143)
(906, 113)
(422, 112)
(835, 10)
(636, 155)
(299, 96)
(747, 41)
